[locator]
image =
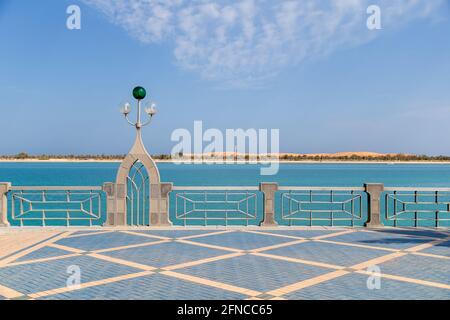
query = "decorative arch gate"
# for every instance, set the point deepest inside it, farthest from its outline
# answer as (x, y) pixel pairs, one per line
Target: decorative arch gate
(138, 198)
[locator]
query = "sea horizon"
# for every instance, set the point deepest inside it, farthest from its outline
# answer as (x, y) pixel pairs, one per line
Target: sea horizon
(95, 173)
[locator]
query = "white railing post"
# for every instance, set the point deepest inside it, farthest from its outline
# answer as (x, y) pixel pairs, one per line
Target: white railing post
(163, 215)
(111, 204)
(374, 191)
(269, 190)
(4, 189)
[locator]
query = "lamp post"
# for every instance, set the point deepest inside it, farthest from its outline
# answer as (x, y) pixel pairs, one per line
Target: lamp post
(139, 94)
(142, 186)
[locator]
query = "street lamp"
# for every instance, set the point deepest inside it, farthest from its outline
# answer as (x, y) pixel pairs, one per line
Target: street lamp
(139, 94)
(138, 180)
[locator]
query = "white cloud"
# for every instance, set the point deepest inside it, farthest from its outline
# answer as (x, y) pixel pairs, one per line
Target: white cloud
(242, 42)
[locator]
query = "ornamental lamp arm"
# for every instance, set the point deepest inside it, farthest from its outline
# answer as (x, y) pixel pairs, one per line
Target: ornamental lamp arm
(128, 120)
(148, 121)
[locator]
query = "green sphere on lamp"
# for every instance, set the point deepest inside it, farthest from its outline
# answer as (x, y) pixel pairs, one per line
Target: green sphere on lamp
(139, 93)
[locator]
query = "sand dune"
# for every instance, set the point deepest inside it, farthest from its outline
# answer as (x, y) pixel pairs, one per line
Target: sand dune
(341, 154)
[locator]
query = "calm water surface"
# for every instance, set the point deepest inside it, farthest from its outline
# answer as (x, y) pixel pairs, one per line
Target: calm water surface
(92, 174)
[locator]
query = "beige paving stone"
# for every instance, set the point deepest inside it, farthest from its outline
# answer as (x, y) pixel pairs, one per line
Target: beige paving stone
(273, 234)
(335, 234)
(44, 235)
(211, 246)
(335, 274)
(280, 245)
(278, 299)
(36, 239)
(296, 260)
(202, 261)
(13, 241)
(89, 284)
(211, 283)
(401, 229)
(358, 245)
(90, 233)
(42, 260)
(9, 293)
(408, 279)
(423, 254)
(123, 262)
(427, 245)
(207, 234)
(378, 260)
(308, 283)
(144, 244)
(145, 235)
(65, 248)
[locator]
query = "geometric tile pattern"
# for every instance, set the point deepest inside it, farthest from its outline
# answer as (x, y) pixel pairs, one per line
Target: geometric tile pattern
(331, 253)
(302, 233)
(413, 266)
(382, 240)
(251, 263)
(165, 254)
(170, 234)
(103, 241)
(54, 274)
(240, 271)
(151, 287)
(242, 240)
(348, 287)
(440, 249)
(43, 253)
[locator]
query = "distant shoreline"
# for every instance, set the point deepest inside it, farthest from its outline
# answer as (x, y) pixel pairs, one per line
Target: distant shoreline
(355, 157)
(387, 162)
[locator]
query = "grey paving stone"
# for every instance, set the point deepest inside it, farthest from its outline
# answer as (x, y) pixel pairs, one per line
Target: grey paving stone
(256, 273)
(354, 287)
(104, 241)
(242, 240)
(152, 287)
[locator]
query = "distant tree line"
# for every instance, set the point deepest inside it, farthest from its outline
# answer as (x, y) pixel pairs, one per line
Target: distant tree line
(356, 157)
(26, 156)
(286, 157)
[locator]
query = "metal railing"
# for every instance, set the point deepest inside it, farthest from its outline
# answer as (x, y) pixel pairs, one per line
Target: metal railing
(322, 206)
(372, 205)
(55, 206)
(216, 206)
(416, 207)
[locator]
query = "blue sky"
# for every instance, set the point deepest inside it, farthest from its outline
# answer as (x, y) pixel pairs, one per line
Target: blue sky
(326, 81)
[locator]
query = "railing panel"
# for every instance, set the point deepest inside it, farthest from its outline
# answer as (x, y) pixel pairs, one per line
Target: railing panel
(239, 205)
(211, 206)
(324, 206)
(421, 207)
(56, 206)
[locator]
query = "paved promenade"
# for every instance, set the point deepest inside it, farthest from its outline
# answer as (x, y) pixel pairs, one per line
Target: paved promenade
(208, 264)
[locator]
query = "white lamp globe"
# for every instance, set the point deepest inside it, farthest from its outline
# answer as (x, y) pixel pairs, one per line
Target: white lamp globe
(150, 109)
(125, 109)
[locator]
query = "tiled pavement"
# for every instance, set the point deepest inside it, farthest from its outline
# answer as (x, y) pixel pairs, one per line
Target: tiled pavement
(291, 263)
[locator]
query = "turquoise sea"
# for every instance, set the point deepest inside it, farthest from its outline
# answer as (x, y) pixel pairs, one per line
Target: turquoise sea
(93, 174)
(184, 212)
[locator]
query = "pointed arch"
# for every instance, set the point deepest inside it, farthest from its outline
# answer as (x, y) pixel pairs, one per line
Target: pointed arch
(138, 154)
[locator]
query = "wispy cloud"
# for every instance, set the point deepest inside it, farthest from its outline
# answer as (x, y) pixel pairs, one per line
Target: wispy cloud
(247, 41)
